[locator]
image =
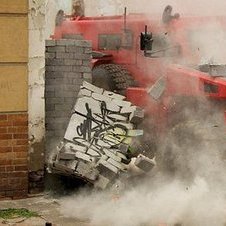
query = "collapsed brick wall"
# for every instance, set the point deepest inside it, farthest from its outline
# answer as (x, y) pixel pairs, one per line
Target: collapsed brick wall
(13, 155)
(68, 64)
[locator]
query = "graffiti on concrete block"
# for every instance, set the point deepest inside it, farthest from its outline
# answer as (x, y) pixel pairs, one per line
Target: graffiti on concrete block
(96, 143)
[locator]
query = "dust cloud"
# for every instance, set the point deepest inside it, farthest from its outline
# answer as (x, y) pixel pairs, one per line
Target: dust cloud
(188, 184)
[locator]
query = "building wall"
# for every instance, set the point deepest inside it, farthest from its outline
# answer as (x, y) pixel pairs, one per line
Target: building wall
(13, 98)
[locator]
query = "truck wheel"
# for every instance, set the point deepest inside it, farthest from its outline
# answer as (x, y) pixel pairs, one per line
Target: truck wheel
(112, 77)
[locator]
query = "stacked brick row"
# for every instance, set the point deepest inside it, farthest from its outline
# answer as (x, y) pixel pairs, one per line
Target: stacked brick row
(67, 66)
(13, 155)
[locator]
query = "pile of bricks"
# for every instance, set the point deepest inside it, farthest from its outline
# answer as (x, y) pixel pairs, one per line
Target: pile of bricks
(13, 155)
(96, 142)
(67, 66)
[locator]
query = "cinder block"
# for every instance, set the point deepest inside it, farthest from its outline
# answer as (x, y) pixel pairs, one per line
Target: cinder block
(72, 164)
(83, 43)
(73, 36)
(50, 55)
(72, 62)
(108, 165)
(92, 87)
(119, 165)
(65, 42)
(87, 171)
(137, 116)
(158, 88)
(144, 163)
(84, 157)
(65, 55)
(66, 156)
(100, 97)
(74, 49)
(81, 56)
(106, 172)
(50, 42)
(74, 147)
(102, 182)
(54, 62)
(62, 167)
(86, 63)
(53, 49)
(123, 148)
(113, 95)
(88, 50)
(112, 155)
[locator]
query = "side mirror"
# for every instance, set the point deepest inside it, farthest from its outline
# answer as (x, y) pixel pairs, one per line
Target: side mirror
(146, 40)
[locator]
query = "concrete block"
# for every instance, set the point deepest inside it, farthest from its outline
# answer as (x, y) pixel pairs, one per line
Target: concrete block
(72, 62)
(50, 55)
(93, 153)
(86, 63)
(77, 75)
(108, 165)
(112, 106)
(119, 165)
(137, 116)
(118, 117)
(144, 163)
(88, 50)
(110, 153)
(128, 110)
(73, 36)
(64, 55)
(75, 49)
(82, 56)
(87, 171)
(84, 157)
(121, 155)
(135, 132)
(92, 87)
(106, 172)
(87, 77)
(54, 62)
(83, 43)
(74, 147)
(72, 164)
(81, 69)
(158, 88)
(62, 167)
(123, 148)
(55, 100)
(101, 97)
(53, 49)
(113, 95)
(122, 103)
(66, 156)
(49, 94)
(102, 182)
(50, 42)
(65, 42)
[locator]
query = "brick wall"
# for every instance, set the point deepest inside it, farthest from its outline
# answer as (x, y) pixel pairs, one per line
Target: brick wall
(13, 155)
(67, 66)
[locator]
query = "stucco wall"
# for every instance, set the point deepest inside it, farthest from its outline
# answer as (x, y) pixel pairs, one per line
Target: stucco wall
(41, 25)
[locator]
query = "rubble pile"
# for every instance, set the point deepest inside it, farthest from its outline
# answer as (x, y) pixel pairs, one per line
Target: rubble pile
(96, 145)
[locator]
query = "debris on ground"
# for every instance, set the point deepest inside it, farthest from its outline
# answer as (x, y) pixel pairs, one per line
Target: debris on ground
(96, 145)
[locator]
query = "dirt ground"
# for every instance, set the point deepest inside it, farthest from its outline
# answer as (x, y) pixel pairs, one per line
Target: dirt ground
(46, 207)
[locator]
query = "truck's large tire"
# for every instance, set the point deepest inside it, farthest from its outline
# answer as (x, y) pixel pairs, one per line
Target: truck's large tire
(112, 77)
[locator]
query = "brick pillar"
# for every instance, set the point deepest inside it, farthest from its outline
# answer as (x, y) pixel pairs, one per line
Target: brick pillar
(68, 64)
(13, 155)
